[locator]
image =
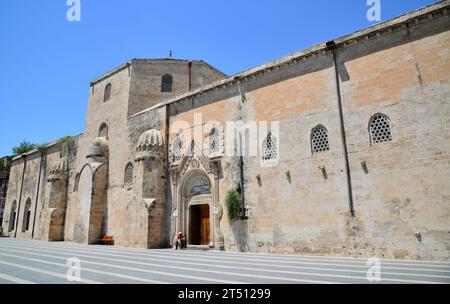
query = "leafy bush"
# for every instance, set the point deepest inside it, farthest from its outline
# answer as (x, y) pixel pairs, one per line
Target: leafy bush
(233, 204)
(23, 147)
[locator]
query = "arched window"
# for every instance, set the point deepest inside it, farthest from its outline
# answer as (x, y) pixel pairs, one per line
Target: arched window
(129, 173)
(214, 141)
(380, 129)
(270, 147)
(319, 140)
(166, 83)
(103, 131)
(177, 149)
(12, 217)
(107, 94)
(26, 216)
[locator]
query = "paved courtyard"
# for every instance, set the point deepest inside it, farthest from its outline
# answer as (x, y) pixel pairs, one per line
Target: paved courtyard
(26, 262)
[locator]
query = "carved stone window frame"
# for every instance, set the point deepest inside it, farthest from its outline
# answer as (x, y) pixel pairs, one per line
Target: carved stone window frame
(176, 150)
(219, 141)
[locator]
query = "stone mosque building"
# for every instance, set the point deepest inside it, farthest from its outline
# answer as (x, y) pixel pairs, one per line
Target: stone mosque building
(352, 159)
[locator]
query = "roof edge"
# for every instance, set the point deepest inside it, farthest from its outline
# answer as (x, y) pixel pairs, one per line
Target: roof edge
(46, 146)
(383, 26)
(148, 60)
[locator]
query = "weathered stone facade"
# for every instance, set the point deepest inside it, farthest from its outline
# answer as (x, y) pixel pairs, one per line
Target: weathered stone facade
(355, 161)
(4, 180)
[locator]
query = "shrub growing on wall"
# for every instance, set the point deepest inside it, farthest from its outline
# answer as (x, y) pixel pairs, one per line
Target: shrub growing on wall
(23, 147)
(233, 204)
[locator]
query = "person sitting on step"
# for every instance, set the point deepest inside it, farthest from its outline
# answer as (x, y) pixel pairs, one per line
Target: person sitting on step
(180, 244)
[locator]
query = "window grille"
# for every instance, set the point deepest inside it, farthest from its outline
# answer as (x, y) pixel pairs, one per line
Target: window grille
(380, 129)
(270, 147)
(129, 174)
(166, 83)
(319, 140)
(214, 142)
(177, 149)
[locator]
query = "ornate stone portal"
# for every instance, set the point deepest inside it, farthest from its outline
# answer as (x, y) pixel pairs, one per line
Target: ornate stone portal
(196, 211)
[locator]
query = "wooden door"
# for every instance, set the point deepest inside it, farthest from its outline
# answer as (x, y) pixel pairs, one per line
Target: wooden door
(205, 225)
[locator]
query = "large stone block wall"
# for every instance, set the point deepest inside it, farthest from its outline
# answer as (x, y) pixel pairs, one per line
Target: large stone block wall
(131, 216)
(29, 193)
(306, 213)
(301, 205)
(133, 87)
(56, 195)
(145, 89)
(30, 190)
(296, 207)
(114, 114)
(406, 191)
(15, 176)
(15, 180)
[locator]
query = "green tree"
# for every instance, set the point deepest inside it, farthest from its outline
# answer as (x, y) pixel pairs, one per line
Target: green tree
(23, 147)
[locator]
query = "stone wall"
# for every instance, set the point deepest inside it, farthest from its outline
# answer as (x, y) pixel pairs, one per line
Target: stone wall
(145, 87)
(145, 227)
(399, 188)
(113, 113)
(37, 166)
(298, 203)
(405, 192)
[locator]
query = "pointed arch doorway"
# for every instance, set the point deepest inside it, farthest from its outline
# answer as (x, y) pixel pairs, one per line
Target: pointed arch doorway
(196, 211)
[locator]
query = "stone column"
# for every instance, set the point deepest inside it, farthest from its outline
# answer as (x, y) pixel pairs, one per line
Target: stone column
(218, 237)
(175, 218)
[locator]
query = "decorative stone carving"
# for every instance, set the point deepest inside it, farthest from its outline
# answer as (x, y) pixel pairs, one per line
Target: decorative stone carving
(173, 176)
(149, 203)
(215, 133)
(217, 229)
(150, 145)
(194, 161)
(177, 149)
(195, 164)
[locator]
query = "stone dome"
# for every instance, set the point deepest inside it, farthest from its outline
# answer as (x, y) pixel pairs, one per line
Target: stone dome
(150, 137)
(98, 148)
(149, 144)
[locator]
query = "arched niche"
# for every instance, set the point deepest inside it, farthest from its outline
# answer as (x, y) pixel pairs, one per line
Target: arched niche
(12, 217)
(91, 204)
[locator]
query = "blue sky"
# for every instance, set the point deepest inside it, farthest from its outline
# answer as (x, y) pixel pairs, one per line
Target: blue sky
(48, 62)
